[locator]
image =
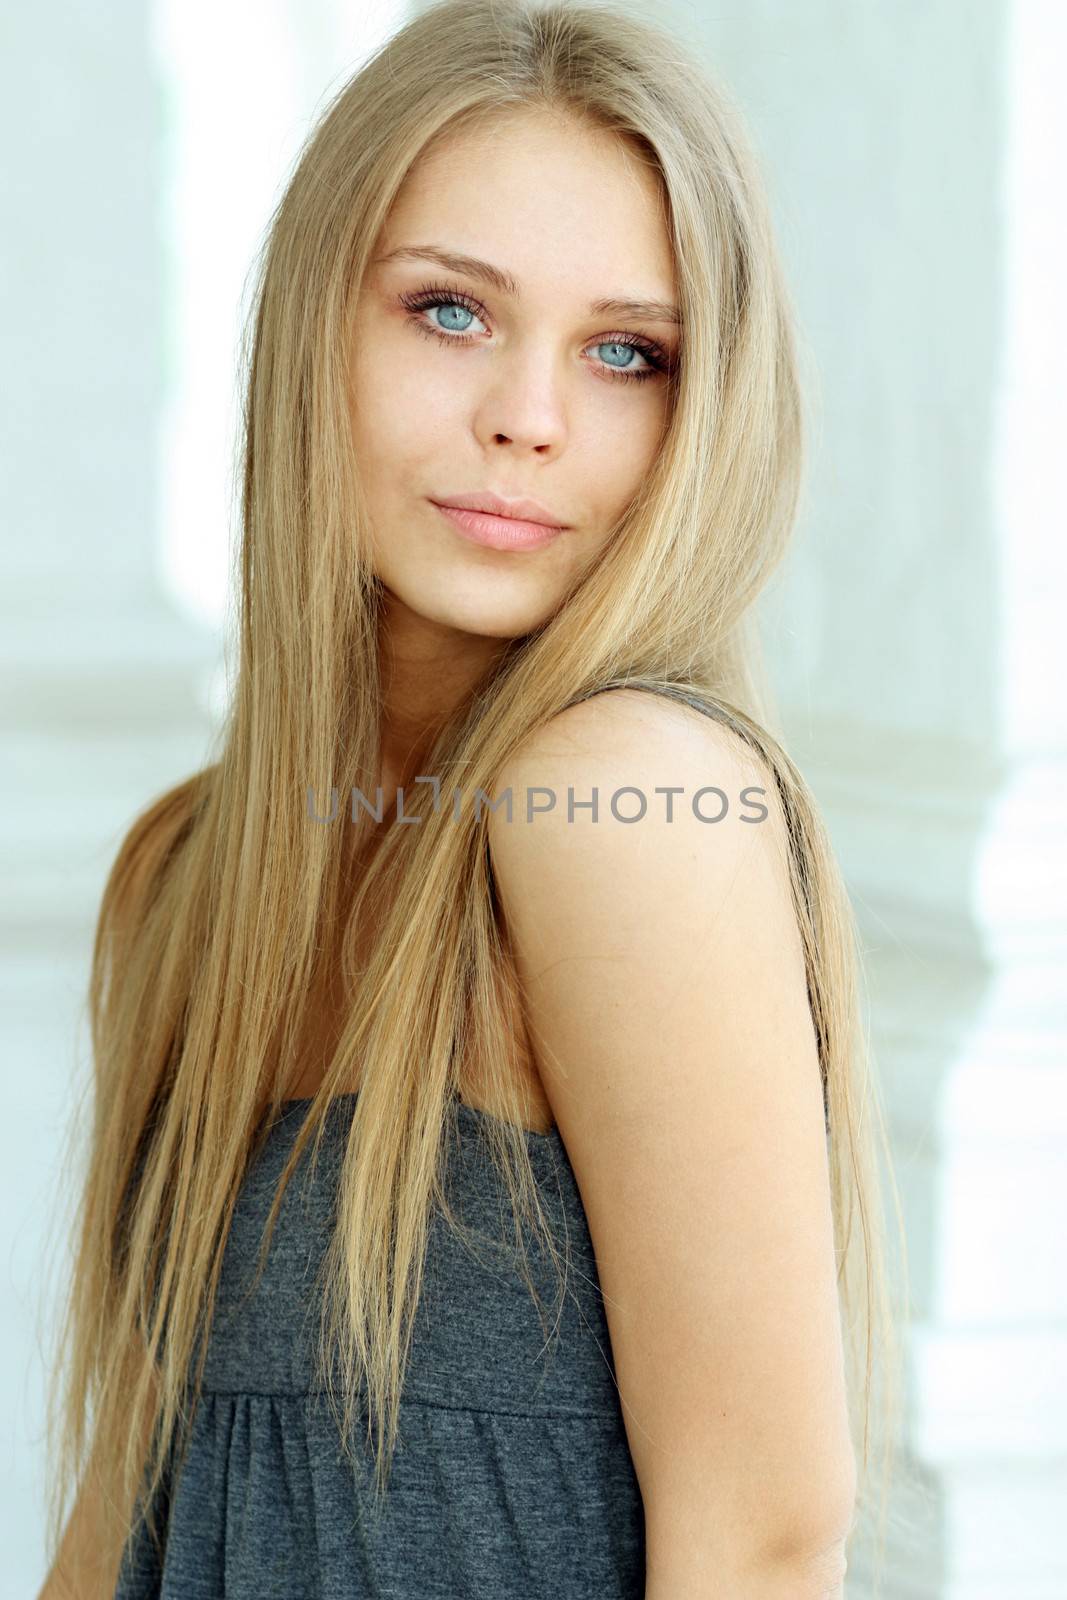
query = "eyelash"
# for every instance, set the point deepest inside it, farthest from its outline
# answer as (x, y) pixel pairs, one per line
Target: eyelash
(432, 295)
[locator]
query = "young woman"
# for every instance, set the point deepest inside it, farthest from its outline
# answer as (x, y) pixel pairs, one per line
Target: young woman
(470, 1198)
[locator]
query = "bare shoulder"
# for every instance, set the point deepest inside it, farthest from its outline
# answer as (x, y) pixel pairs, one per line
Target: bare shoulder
(665, 995)
(146, 847)
(628, 720)
(160, 824)
(632, 776)
(645, 838)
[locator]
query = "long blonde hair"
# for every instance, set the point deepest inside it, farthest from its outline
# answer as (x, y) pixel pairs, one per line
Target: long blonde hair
(224, 895)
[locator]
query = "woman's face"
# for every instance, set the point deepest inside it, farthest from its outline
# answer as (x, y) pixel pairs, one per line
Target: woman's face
(525, 391)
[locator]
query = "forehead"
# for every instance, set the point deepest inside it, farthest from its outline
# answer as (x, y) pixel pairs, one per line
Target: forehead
(547, 195)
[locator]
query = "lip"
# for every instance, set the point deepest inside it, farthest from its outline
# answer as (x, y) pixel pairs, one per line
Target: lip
(499, 524)
(496, 505)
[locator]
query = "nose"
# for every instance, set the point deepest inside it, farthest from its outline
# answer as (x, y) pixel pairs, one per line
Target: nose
(524, 407)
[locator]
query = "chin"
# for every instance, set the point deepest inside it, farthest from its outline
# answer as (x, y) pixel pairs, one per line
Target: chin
(481, 610)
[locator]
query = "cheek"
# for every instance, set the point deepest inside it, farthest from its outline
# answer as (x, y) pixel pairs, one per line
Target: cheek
(409, 409)
(622, 456)
(391, 411)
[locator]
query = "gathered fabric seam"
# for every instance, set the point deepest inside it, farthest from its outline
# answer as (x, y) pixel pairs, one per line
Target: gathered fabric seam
(416, 1400)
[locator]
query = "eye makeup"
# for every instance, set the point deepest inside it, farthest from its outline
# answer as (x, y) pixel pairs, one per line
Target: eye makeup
(433, 295)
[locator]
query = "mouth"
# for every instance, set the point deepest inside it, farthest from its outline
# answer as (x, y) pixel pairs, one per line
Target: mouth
(499, 532)
(496, 505)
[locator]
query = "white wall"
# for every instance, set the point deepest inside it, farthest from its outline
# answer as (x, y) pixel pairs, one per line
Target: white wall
(149, 142)
(915, 153)
(913, 149)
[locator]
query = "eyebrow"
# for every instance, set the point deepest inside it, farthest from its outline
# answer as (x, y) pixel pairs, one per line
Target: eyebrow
(471, 267)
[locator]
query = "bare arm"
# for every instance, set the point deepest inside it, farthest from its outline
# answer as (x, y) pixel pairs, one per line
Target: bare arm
(79, 1572)
(817, 1576)
(82, 1569)
(666, 994)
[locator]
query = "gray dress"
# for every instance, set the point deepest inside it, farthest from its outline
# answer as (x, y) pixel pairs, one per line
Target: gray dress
(512, 1477)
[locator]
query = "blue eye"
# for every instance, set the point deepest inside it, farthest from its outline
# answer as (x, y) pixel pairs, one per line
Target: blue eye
(458, 308)
(621, 346)
(453, 306)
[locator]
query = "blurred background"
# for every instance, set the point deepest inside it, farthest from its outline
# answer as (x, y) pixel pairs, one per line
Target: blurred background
(915, 151)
